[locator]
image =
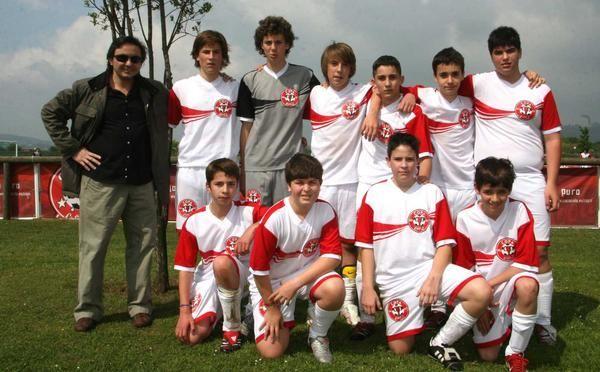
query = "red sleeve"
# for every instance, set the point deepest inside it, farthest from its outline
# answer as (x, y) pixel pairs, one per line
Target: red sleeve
(329, 243)
(414, 90)
(174, 110)
(443, 229)
(258, 212)
(466, 87)
(364, 223)
(550, 118)
(526, 251)
(463, 254)
(418, 128)
(187, 249)
(263, 249)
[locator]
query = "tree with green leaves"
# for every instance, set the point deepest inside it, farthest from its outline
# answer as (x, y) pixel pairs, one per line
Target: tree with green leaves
(584, 142)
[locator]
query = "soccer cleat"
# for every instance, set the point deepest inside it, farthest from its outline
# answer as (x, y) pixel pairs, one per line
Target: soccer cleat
(350, 312)
(362, 330)
(546, 334)
(232, 341)
(310, 314)
(516, 363)
(435, 320)
(320, 349)
(446, 355)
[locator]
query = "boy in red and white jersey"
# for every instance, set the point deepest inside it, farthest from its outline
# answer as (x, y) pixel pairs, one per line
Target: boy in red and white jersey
(522, 125)
(496, 240)
(296, 249)
(205, 105)
(336, 114)
(406, 235)
(220, 233)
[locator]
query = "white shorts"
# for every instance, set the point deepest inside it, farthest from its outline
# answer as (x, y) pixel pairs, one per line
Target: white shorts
(500, 330)
(191, 194)
(459, 199)
(529, 188)
(343, 199)
(401, 309)
(287, 311)
(203, 293)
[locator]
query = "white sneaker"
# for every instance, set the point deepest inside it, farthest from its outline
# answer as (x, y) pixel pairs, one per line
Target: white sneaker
(320, 349)
(350, 312)
(546, 334)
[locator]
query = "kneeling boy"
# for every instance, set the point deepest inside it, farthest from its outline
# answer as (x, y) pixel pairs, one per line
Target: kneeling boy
(406, 233)
(496, 239)
(296, 249)
(220, 233)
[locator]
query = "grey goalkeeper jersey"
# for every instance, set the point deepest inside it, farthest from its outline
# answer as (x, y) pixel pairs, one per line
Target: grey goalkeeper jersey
(276, 106)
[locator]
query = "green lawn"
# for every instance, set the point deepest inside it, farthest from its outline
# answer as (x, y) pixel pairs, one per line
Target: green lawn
(38, 276)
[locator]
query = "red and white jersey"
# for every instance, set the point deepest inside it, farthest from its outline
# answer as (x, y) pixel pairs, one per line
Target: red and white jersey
(511, 119)
(285, 244)
(336, 118)
(206, 235)
(207, 111)
(372, 166)
(451, 129)
(492, 246)
(404, 229)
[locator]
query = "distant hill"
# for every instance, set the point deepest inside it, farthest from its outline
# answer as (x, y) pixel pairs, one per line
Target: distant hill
(573, 131)
(24, 141)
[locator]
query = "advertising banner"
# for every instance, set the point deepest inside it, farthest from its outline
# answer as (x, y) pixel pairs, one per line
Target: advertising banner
(578, 197)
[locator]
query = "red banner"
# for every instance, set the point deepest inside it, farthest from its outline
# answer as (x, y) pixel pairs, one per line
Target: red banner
(22, 191)
(578, 197)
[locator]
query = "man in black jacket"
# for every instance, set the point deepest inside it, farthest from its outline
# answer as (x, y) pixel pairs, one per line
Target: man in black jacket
(115, 155)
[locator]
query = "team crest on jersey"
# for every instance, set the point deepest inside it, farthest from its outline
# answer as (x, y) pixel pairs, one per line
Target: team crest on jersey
(253, 196)
(464, 118)
(262, 308)
(230, 245)
(196, 301)
(64, 206)
(506, 249)
(223, 108)
(384, 132)
(418, 220)
(350, 110)
(186, 207)
(397, 310)
(310, 247)
(290, 97)
(525, 110)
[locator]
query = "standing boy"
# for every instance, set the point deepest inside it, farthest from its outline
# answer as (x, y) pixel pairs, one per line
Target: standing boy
(271, 106)
(522, 125)
(220, 233)
(296, 249)
(406, 234)
(496, 239)
(205, 105)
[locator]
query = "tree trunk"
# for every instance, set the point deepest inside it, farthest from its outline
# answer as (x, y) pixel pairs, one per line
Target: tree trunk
(149, 41)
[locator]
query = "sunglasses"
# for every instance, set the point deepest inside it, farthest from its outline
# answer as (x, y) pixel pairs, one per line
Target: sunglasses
(124, 57)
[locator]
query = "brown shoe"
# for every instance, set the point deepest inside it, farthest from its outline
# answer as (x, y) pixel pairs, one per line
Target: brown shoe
(85, 324)
(141, 320)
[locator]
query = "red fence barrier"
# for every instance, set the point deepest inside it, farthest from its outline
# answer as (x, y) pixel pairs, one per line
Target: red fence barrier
(578, 188)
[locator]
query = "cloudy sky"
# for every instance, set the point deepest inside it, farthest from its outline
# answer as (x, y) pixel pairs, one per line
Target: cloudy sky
(47, 44)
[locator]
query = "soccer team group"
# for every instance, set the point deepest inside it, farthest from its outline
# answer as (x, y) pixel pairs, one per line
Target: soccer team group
(428, 200)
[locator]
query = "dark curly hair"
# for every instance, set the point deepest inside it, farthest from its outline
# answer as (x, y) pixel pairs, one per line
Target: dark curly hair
(273, 25)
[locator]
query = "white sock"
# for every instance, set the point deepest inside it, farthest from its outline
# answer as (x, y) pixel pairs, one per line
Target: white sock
(322, 321)
(230, 303)
(459, 323)
(350, 288)
(439, 306)
(364, 317)
(522, 327)
(544, 300)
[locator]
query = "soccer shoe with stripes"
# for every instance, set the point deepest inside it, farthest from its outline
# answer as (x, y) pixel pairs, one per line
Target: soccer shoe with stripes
(232, 341)
(362, 330)
(446, 355)
(516, 362)
(546, 334)
(349, 312)
(320, 349)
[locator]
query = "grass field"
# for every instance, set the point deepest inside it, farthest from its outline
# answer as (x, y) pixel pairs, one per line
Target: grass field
(38, 277)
